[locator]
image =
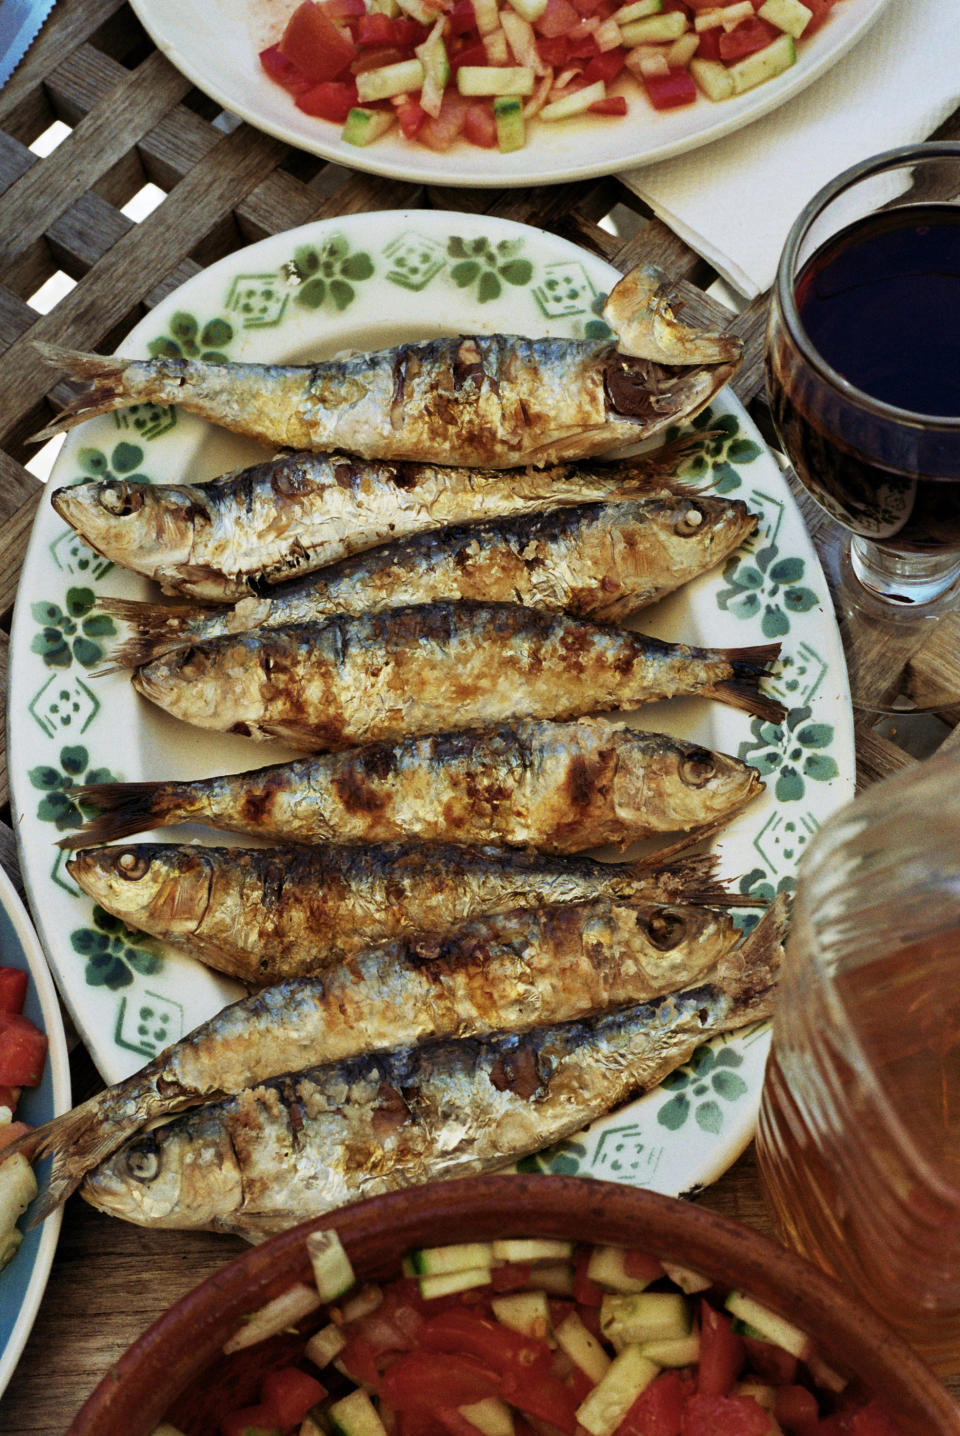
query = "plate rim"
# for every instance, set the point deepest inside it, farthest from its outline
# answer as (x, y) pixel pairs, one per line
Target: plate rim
(751, 106)
(738, 1134)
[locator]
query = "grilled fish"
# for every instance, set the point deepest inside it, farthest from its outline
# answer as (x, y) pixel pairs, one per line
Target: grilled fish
(228, 538)
(601, 561)
(558, 787)
(264, 914)
(508, 972)
(428, 668)
(496, 401)
(291, 1148)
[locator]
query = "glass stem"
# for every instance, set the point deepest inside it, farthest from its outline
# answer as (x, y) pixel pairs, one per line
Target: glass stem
(907, 579)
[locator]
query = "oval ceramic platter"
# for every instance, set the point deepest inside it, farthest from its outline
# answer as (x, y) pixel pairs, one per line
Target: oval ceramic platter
(308, 294)
(22, 1283)
(215, 43)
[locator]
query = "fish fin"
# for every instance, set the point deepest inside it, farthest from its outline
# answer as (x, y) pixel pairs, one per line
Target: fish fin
(749, 972)
(742, 690)
(125, 808)
(158, 628)
(79, 1140)
(104, 372)
(694, 879)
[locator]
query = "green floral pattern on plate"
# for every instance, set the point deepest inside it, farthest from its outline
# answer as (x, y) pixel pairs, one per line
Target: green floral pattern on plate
(317, 292)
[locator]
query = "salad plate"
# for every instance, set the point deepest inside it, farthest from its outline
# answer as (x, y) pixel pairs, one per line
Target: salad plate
(23, 1281)
(216, 43)
(305, 295)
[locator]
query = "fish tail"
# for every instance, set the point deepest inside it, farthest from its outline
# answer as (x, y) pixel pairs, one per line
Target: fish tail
(692, 879)
(742, 690)
(125, 808)
(660, 468)
(105, 373)
(158, 628)
(748, 973)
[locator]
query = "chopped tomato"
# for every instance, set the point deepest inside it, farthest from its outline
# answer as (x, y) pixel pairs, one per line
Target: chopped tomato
(249, 1421)
(552, 50)
(372, 57)
(23, 1051)
(821, 9)
(13, 989)
(439, 132)
(722, 1352)
(10, 1131)
(709, 47)
(796, 1406)
(641, 1266)
(658, 1410)
(342, 12)
(289, 1393)
(315, 45)
(545, 1398)
(771, 1361)
(610, 105)
(724, 1416)
(333, 100)
(9, 1097)
(513, 1275)
(461, 20)
(279, 68)
(557, 19)
(410, 116)
(496, 1345)
(666, 92)
(474, 54)
(872, 1420)
(359, 1362)
(749, 35)
(434, 1379)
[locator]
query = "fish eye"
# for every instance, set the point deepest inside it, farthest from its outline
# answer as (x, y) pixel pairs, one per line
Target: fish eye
(143, 1161)
(666, 927)
(132, 865)
(121, 501)
(697, 768)
(690, 522)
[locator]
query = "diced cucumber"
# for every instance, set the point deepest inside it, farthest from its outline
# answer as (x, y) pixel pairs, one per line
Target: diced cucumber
(291, 1306)
(511, 128)
(682, 51)
(763, 64)
(387, 80)
(418, 10)
(390, 8)
(788, 15)
(165, 1429)
(686, 1278)
(575, 104)
(653, 28)
(486, 14)
(628, 1320)
(673, 1350)
(637, 11)
(492, 1416)
(355, 1415)
(432, 55)
(582, 1347)
(325, 1345)
(495, 80)
(761, 1392)
(607, 1267)
(824, 1375)
(525, 1311)
(365, 126)
(712, 78)
(18, 1187)
(367, 1299)
(496, 48)
(10, 1243)
(444, 1283)
(553, 1277)
(525, 1249)
(768, 1325)
(458, 1256)
(609, 1401)
(530, 9)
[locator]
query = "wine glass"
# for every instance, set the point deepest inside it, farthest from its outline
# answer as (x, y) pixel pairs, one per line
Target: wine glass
(863, 372)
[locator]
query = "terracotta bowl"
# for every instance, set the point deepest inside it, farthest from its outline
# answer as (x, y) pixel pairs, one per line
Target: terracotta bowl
(176, 1370)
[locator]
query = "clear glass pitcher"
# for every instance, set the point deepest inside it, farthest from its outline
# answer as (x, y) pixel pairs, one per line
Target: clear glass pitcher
(859, 1134)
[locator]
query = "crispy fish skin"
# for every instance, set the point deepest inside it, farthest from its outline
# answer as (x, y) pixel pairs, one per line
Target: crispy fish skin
(511, 971)
(557, 787)
(601, 561)
(266, 914)
(285, 1150)
(228, 538)
(426, 668)
(496, 401)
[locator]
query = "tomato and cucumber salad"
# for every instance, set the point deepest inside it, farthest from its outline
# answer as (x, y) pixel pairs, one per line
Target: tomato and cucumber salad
(483, 70)
(23, 1055)
(526, 1337)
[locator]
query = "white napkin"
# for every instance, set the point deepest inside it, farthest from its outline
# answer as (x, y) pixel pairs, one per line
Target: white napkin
(734, 200)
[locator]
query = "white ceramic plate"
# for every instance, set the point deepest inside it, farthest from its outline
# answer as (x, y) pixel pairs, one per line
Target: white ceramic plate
(210, 42)
(418, 274)
(22, 1283)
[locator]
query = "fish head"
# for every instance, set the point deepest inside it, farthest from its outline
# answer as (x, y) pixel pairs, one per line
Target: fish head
(639, 312)
(183, 1175)
(157, 887)
(673, 784)
(675, 943)
(144, 527)
(218, 684)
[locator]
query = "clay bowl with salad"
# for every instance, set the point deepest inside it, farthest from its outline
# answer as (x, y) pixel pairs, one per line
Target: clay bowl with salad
(519, 1306)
